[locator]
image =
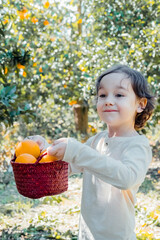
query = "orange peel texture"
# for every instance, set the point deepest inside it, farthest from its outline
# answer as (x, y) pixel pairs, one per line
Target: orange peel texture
(27, 146)
(25, 158)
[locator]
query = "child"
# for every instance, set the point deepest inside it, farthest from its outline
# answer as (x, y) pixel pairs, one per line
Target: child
(114, 162)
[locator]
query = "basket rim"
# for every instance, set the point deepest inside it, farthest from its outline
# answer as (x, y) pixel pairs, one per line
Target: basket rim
(12, 161)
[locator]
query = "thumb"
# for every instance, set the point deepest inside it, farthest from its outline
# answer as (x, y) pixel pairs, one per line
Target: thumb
(52, 150)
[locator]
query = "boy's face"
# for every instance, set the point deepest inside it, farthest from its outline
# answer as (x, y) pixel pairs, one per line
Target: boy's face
(117, 103)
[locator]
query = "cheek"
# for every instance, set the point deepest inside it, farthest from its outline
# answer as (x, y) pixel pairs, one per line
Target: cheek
(99, 106)
(124, 108)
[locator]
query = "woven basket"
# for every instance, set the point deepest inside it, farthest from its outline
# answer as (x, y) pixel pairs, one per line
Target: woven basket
(36, 180)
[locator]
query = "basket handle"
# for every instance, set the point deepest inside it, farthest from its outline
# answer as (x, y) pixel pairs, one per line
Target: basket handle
(60, 165)
(14, 157)
(40, 157)
(44, 154)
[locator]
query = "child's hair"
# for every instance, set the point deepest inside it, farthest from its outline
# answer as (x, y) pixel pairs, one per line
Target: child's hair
(140, 87)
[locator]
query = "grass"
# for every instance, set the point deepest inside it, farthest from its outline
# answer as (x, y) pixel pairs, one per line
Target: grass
(57, 217)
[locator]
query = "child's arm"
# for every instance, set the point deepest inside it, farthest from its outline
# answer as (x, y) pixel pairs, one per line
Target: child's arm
(58, 149)
(121, 174)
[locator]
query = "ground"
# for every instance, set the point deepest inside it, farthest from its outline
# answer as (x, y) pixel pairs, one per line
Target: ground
(57, 217)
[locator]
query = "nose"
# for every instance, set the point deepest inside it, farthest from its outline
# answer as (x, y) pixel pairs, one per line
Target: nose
(109, 101)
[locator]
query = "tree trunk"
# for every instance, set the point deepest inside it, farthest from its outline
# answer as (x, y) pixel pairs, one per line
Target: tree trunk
(81, 116)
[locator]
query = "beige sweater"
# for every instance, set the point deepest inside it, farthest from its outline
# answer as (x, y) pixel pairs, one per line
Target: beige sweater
(113, 169)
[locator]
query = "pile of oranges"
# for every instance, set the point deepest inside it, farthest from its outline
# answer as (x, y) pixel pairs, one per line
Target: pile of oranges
(28, 151)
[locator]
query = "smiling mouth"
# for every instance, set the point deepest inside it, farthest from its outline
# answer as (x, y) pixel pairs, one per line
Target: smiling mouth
(110, 111)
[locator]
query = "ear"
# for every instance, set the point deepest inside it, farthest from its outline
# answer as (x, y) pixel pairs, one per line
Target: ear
(141, 105)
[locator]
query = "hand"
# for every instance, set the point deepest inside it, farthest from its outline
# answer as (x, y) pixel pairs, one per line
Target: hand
(43, 144)
(58, 148)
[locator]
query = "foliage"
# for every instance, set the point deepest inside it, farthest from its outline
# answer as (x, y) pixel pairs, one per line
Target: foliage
(10, 56)
(127, 32)
(54, 51)
(9, 108)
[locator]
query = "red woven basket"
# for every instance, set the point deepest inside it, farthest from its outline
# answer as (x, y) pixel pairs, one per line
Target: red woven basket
(36, 180)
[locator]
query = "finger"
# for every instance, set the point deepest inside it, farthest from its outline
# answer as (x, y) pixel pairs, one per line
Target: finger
(52, 150)
(40, 141)
(45, 146)
(58, 141)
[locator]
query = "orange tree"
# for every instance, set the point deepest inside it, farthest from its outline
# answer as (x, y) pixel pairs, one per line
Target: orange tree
(41, 55)
(128, 32)
(53, 51)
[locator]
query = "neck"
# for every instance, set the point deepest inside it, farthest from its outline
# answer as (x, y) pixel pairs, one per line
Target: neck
(127, 132)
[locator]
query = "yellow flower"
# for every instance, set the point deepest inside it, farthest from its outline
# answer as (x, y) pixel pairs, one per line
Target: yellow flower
(21, 15)
(150, 79)
(25, 10)
(71, 3)
(153, 215)
(20, 37)
(27, 16)
(79, 21)
(93, 130)
(131, 51)
(58, 237)
(5, 21)
(43, 213)
(144, 224)
(151, 2)
(46, 5)
(34, 20)
(83, 69)
(64, 85)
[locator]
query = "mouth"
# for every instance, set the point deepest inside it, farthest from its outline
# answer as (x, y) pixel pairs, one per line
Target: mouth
(110, 111)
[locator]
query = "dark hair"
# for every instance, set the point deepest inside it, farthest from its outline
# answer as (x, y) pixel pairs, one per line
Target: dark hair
(140, 87)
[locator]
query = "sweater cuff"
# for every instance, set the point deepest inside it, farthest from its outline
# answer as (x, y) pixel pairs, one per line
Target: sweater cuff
(70, 150)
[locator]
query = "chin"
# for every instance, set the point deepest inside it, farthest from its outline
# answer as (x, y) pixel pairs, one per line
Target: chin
(110, 121)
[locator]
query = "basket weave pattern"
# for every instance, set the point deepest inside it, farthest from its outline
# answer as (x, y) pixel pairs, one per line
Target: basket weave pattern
(42, 179)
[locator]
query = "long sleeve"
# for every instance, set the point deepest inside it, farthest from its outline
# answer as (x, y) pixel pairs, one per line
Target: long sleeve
(122, 173)
(73, 168)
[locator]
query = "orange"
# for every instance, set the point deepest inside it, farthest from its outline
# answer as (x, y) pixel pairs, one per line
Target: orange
(27, 146)
(47, 158)
(25, 158)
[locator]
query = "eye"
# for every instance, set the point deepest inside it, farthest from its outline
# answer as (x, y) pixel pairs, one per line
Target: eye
(102, 96)
(119, 95)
